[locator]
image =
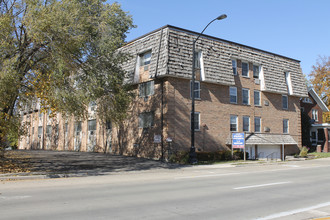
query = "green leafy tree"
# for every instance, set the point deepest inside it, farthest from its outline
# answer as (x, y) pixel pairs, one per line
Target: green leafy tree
(63, 53)
(320, 79)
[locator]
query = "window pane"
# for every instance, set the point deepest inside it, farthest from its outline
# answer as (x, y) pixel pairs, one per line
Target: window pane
(245, 69)
(246, 96)
(285, 126)
(255, 71)
(233, 94)
(234, 64)
(257, 98)
(92, 125)
(196, 90)
(246, 123)
(285, 101)
(233, 123)
(196, 122)
(257, 124)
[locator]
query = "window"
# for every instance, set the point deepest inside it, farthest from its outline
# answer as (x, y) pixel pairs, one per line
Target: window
(197, 90)
(285, 101)
(92, 106)
(39, 131)
(145, 58)
(246, 96)
(257, 101)
(91, 125)
(285, 126)
(146, 89)
(233, 94)
(307, 100)
(256, 70)
(77, 126)
(198, 55)
(315, 115)
(246, 123)
(257, 124)
(48, 130)
(146, 119)
(197, 121)
(234, 64)
(233, 123)
(245, 69)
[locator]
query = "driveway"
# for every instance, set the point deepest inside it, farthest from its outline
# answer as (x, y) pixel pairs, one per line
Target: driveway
(64, 163)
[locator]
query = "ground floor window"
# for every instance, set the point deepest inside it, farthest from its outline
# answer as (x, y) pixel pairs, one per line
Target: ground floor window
(146, 119)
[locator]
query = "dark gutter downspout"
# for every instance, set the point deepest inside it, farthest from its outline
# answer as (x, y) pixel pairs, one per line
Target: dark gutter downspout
(162, 99)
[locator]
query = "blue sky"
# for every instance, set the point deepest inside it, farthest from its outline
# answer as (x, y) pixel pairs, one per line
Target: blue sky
(299, 29)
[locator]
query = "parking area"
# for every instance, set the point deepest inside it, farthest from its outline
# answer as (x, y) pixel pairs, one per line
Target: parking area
(80, 163)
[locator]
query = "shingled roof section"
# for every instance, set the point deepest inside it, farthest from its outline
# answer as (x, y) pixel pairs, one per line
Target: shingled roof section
(172, 56)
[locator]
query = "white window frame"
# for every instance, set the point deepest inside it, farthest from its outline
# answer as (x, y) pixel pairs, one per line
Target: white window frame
(145, 58)
(197, 91)
(315, 115)
(248, 123)
(234, 66)
(259, 96)
(248, 74)
(236, 122)
(254, 74)
(233, 93)
(285, 126)
(248, 93)
(255, 122)
(286, 104)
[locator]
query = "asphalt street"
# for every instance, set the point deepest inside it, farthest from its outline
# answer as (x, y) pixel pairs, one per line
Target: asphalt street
(292, 190)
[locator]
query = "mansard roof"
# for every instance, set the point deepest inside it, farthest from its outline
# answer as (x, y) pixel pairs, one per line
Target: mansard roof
(171, 56)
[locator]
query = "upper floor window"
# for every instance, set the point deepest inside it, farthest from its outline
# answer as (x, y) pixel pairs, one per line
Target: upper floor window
(257, 124)
(233, 94)
(92, 106)
(285, 126)
(257, 101)
(145, 58)
(196, 121)
(307, 100)
(234, 65)
(256, 70)
(315, 115)
(198, 55)
(246, 96)
(233, 123)
(91, 125)
(246, 123)
(197, 90)
(285, 102)
(146, 119)
(245, 69)
(146, 89)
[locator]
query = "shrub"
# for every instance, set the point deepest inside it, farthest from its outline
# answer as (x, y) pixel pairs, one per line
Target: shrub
(303, 152)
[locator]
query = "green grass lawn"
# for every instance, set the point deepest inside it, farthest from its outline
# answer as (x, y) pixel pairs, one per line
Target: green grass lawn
(320, 155)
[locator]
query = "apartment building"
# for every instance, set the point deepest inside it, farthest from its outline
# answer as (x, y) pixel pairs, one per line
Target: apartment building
(237, 89)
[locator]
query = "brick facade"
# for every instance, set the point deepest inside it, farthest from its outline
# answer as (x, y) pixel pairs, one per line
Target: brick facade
(169, 69)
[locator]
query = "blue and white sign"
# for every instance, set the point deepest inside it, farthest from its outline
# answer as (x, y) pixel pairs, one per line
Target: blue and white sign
(238, 140)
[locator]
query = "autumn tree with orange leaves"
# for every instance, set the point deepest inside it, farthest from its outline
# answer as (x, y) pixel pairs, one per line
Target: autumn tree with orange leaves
(320, 80)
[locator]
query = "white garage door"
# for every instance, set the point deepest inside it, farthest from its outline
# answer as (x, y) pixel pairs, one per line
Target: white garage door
(270, 151)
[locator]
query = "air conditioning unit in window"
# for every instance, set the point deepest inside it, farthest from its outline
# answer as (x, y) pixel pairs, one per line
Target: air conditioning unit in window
(257, 81)
(267, 129)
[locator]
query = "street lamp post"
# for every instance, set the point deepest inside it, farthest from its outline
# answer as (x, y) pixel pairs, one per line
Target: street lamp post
(192, 153)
